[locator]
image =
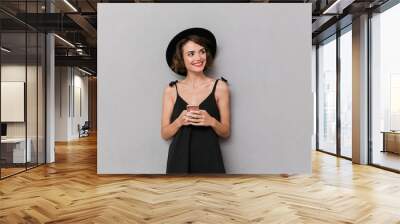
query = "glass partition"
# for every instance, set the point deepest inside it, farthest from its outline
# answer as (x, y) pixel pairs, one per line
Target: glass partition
(327, 96)
(22, 77)
(14, 153)
(32, 95)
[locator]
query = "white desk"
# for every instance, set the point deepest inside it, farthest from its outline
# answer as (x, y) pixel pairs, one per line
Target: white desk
(18, 150)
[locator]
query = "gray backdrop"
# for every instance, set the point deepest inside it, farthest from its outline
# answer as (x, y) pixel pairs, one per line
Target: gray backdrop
(264, 51)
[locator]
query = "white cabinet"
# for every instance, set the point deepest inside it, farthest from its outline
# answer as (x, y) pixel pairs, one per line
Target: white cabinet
(18, 149)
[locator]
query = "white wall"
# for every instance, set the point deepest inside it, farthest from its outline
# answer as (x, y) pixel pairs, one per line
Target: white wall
(61, 103)
(68, 81)
(263, 53)
(79, 117)
(17, 72)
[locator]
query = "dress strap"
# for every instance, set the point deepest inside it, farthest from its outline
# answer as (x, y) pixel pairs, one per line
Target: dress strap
(214, 87)
(174, 83)
(215, 84)
(222, 78)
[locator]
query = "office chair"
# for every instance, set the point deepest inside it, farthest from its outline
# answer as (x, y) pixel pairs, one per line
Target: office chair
(84, 130)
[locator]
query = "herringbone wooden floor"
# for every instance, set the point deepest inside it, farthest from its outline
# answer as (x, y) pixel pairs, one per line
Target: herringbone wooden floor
(70, 191)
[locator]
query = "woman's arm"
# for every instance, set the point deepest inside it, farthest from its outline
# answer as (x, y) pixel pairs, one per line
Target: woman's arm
(168, 129)
(222, 128)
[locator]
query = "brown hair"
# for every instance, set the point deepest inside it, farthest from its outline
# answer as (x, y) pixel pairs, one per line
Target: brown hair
(178, 65)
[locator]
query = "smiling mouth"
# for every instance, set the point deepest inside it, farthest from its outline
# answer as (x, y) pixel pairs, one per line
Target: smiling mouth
(198, 64)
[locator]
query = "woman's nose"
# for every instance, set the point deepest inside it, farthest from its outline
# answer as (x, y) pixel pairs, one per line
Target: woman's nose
(197, 57)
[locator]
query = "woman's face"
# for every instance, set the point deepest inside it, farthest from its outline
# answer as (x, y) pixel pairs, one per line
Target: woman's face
(194, 56)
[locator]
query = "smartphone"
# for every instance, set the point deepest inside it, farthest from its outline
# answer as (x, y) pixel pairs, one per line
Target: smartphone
(192, 108)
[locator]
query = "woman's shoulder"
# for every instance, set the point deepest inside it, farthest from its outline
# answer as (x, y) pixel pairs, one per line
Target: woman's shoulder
(222, 88)
(170, 88)
(219, 79)
(222, 85)
(170, 92)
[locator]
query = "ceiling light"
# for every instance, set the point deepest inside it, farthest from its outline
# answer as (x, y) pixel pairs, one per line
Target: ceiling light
(337, 7)
(5, 50)
(70, 5)
(64, 40)
(331, 7)
(84, 71)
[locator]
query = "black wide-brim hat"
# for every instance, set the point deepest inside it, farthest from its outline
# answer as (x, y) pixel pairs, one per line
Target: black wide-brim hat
(201, 32)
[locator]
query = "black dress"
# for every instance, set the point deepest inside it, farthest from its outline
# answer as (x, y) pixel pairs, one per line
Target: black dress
(195, 149)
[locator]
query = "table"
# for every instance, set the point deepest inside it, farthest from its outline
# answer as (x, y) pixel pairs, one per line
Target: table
(13, 150)
(391, 141)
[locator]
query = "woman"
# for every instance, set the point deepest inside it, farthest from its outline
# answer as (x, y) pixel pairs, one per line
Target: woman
(195, 145)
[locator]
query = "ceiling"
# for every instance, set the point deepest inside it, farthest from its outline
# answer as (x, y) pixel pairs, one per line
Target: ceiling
(76, 22)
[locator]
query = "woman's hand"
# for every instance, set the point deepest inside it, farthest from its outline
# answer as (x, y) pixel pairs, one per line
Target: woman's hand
(183, 118)
(200, 118)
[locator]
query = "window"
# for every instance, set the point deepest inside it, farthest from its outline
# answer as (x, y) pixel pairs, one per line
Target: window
(385, 88)
(346, 93)
(327, 96)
